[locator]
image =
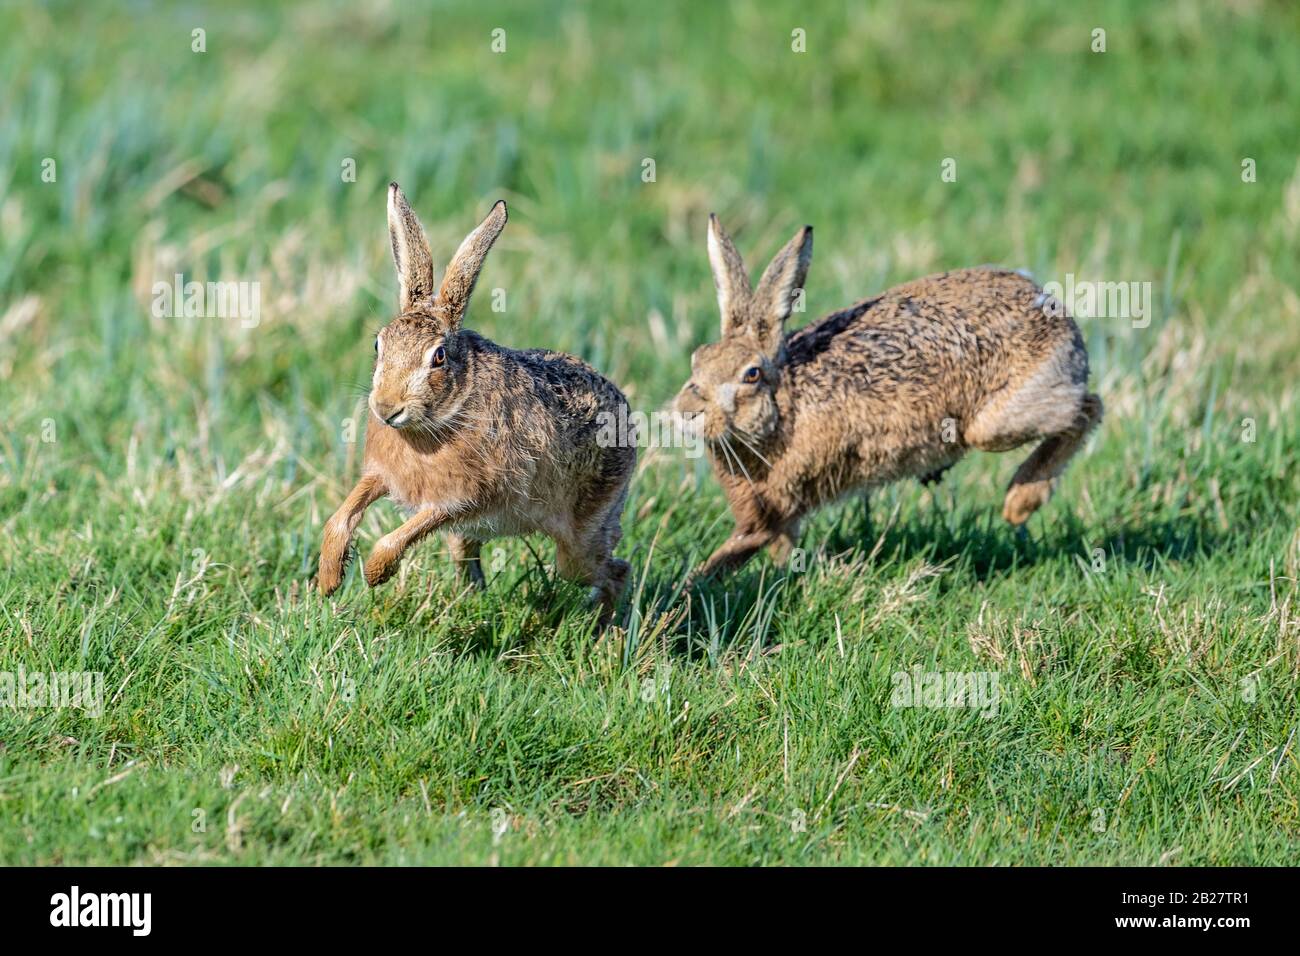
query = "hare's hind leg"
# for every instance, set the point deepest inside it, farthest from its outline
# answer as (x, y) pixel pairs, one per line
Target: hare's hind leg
(1034, 480)
(587, 556)
(612, 578)
(1063, 432)
(616, 569)
(586, 562)
(465, 552)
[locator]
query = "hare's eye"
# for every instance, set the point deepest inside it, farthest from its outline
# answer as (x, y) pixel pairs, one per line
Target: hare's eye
(439, 356)
(752, 375)
(376, 345)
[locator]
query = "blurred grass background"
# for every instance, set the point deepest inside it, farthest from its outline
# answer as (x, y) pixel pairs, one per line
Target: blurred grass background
(165, 534)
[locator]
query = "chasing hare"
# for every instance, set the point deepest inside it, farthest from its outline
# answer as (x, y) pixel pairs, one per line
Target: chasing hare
(477, 439)
(896, 386)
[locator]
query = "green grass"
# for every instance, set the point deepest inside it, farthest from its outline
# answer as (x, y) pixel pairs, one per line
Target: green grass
(166, 534)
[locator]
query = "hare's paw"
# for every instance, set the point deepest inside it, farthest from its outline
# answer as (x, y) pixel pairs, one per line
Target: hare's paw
(383, 562)
(329, 573)
(333, 556)
(329, 576)
(1024, 499)
(693, 577)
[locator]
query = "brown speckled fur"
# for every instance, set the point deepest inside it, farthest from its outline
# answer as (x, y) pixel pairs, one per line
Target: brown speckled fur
(484, 440)
(861, 397)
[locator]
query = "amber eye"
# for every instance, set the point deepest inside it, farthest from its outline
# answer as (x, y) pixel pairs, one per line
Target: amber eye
(752, 375)
(439, 356)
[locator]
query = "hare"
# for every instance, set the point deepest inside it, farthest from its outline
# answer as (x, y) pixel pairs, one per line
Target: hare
(899, 385)
(481, 440)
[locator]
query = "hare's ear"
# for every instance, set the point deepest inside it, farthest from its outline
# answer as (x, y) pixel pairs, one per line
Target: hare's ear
(463, 270)
(729, 278)
(782, 282)
(410, 254)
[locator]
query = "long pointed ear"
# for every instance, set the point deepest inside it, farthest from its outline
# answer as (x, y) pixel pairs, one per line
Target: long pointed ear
(410, 254)
(462, 271)
(729, 278)
(782, 281)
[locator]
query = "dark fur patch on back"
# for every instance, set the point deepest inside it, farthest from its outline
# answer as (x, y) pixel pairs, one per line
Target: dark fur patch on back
(807, 343)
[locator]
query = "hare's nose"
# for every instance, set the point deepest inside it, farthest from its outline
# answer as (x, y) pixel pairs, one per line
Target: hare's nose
(688, 401)
(387, 412)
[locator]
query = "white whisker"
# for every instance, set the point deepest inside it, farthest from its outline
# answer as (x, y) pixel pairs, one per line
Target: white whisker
(748, 479)
(758, 454)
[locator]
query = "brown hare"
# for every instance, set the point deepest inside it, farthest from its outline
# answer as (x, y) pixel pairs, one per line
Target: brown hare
(898, 385)
(477, 439)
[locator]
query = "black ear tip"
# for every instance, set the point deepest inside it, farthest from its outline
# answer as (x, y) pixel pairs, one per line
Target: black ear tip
(393, 186)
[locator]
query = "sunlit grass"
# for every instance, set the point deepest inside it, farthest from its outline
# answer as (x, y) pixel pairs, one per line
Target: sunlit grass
(164, 482)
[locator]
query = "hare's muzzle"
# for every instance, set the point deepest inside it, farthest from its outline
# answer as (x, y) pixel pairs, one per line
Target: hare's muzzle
(690, 409)
(689, 402)
(393, 414)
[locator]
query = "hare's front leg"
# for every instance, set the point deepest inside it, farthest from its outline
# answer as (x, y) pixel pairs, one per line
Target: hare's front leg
(389, 549)
(734, 552)
(339, 530)
(784, 543)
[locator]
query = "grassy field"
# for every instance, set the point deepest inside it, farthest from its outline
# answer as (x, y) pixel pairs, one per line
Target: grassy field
(164, 481)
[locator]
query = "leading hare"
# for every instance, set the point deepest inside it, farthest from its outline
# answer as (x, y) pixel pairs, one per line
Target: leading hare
(480, 440)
